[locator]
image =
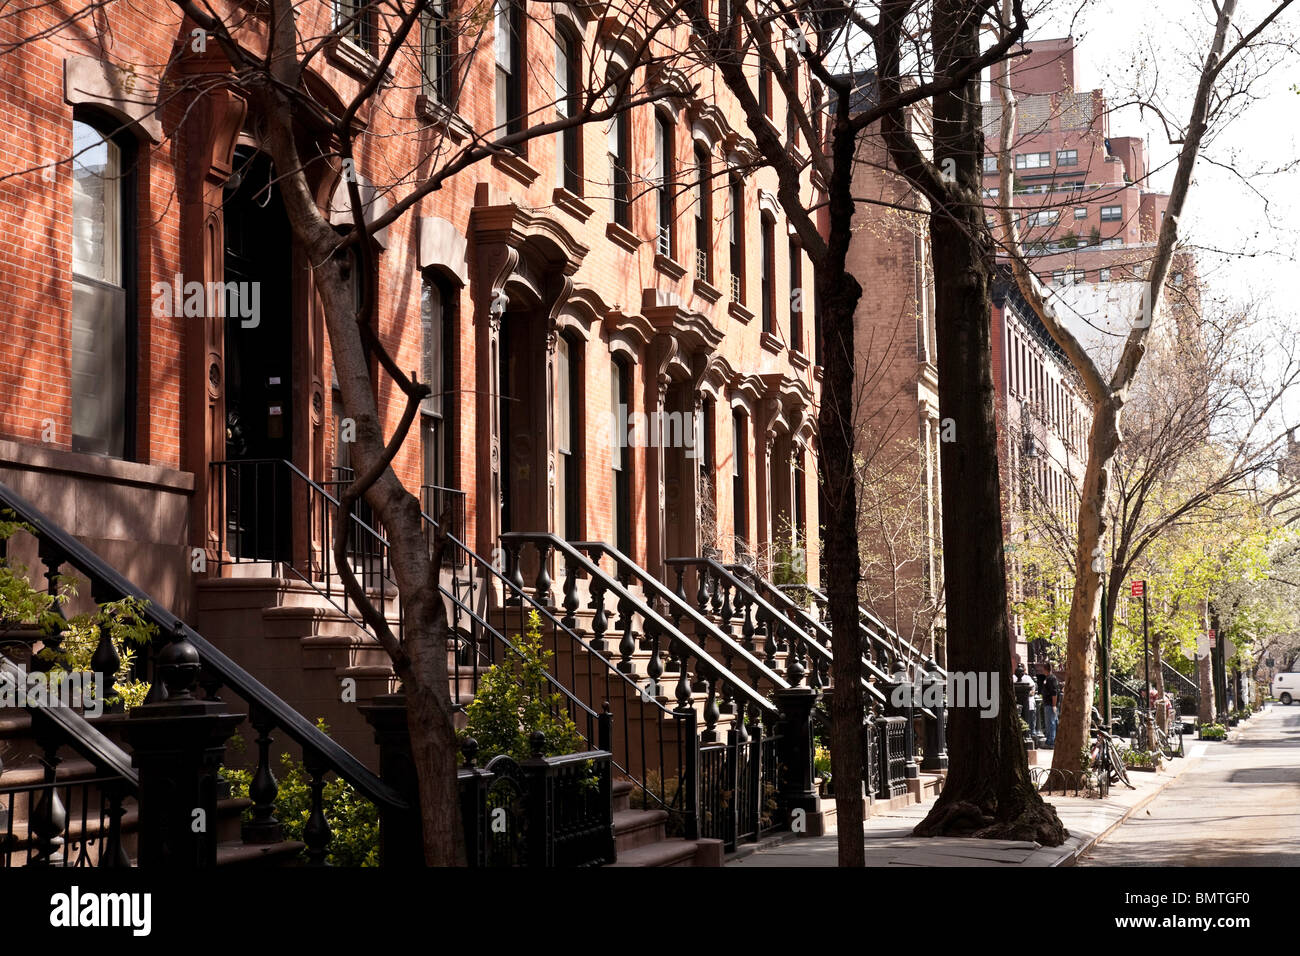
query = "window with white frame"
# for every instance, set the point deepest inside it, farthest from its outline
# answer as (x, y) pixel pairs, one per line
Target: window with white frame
(664, 184)
(100, 332)
(1112, 213)
(1033, 160)
(1067, 157)
(509, 72)
(354, 20)
(439, 54)
(1080, 212)
(1044, 217)
(568, 173)
(990, 164)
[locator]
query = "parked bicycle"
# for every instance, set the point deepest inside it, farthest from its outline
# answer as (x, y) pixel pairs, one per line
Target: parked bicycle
(1104, 758)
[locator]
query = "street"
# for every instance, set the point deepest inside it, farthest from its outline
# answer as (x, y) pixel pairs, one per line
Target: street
(1238, 806)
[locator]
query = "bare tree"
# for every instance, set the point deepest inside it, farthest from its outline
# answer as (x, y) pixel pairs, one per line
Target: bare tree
(270, 67)
(832, 40)
(1217, 89)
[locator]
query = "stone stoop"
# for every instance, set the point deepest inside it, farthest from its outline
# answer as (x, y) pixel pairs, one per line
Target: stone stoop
(640, 837)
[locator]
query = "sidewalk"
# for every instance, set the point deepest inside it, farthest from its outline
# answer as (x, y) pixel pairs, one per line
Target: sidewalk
(889, 840)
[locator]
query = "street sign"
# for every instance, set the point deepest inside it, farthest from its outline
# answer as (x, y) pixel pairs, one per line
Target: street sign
(1138, 588)
(1202, 645)
(1214, 641)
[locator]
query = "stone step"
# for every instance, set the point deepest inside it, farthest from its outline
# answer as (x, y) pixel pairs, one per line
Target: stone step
(635, 828)
(673, 851)
(284, 853)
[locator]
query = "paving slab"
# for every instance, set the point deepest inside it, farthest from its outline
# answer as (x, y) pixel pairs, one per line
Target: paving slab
(889, 840)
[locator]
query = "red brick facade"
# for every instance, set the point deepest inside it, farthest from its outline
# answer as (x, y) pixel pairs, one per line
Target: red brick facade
(501, 231)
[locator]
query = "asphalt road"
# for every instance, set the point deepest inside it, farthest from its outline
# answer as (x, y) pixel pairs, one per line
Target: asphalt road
(1239, 806)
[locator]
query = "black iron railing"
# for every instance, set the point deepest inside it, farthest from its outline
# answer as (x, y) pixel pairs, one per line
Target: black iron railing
(889, 647)
(892, 748)
(267, 711)
(64, 824)
(437, 501)
(541, 812)
(672, 653)
(768, 629)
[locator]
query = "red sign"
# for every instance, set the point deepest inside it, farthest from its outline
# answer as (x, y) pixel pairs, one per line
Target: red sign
(1214, 641)
(1138, 587)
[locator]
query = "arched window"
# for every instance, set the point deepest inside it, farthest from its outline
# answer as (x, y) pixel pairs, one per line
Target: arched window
(737, 239)
(767, 274)
(703, 215)
(509, 67)
(664, 184)
(568, 154)
(103, 315)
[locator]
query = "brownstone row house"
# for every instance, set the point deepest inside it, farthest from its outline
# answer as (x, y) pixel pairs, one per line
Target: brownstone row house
(616, 322)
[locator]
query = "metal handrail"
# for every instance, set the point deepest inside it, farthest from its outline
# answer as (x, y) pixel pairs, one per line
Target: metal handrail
(105, 580)
(882, 633)
(816, 648)
(79, 733)
(647, 613)
(670, 597)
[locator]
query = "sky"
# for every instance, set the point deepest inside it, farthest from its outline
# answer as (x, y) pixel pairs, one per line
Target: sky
(1244, 224)
(1247, 229)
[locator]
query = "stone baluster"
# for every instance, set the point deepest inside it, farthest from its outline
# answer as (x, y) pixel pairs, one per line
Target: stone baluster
(316, 833)
(571, 603)
(683, 692)
(599, 621)
(542, 586)
(711, 711)
(655, 669)
(264, 827)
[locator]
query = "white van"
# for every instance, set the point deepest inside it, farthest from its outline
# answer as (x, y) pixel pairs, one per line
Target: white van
(1286, 687)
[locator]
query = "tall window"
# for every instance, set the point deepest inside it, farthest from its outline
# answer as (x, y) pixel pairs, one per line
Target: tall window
(102, 344)
(621, 456)
(566, 93)
(568, 435)
(737, 239)
(436, 434)
(796, 295)
(739, 458)
(439, 50)
(509, 72)
(767, 274)
(664, 183)
(619, 148)
(703, 215)
(800, 509)
(791, 119)
(355, 21)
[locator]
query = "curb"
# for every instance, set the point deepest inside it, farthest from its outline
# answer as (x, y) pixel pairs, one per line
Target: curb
(1072, 858)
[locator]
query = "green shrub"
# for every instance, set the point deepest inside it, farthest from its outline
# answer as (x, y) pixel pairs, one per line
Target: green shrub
(1122, 701)
(1214, 732)
(22, 606)
(353, 820)
(514, 701)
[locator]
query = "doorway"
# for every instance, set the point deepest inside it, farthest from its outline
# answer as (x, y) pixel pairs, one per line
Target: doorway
(258, 362)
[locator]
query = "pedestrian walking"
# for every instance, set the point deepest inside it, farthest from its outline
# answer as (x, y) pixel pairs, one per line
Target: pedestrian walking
(1051, 690)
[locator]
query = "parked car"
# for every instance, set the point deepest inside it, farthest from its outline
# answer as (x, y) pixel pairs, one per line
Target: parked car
(1286, 687)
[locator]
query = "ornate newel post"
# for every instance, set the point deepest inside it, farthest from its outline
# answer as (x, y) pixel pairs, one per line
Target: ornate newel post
(177, 745)
(936, 743)
(401, 839)
(795, 789)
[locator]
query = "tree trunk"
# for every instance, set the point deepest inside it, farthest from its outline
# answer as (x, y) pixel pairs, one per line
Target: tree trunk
(837, 298)
(988, 792)
(1072, 728)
